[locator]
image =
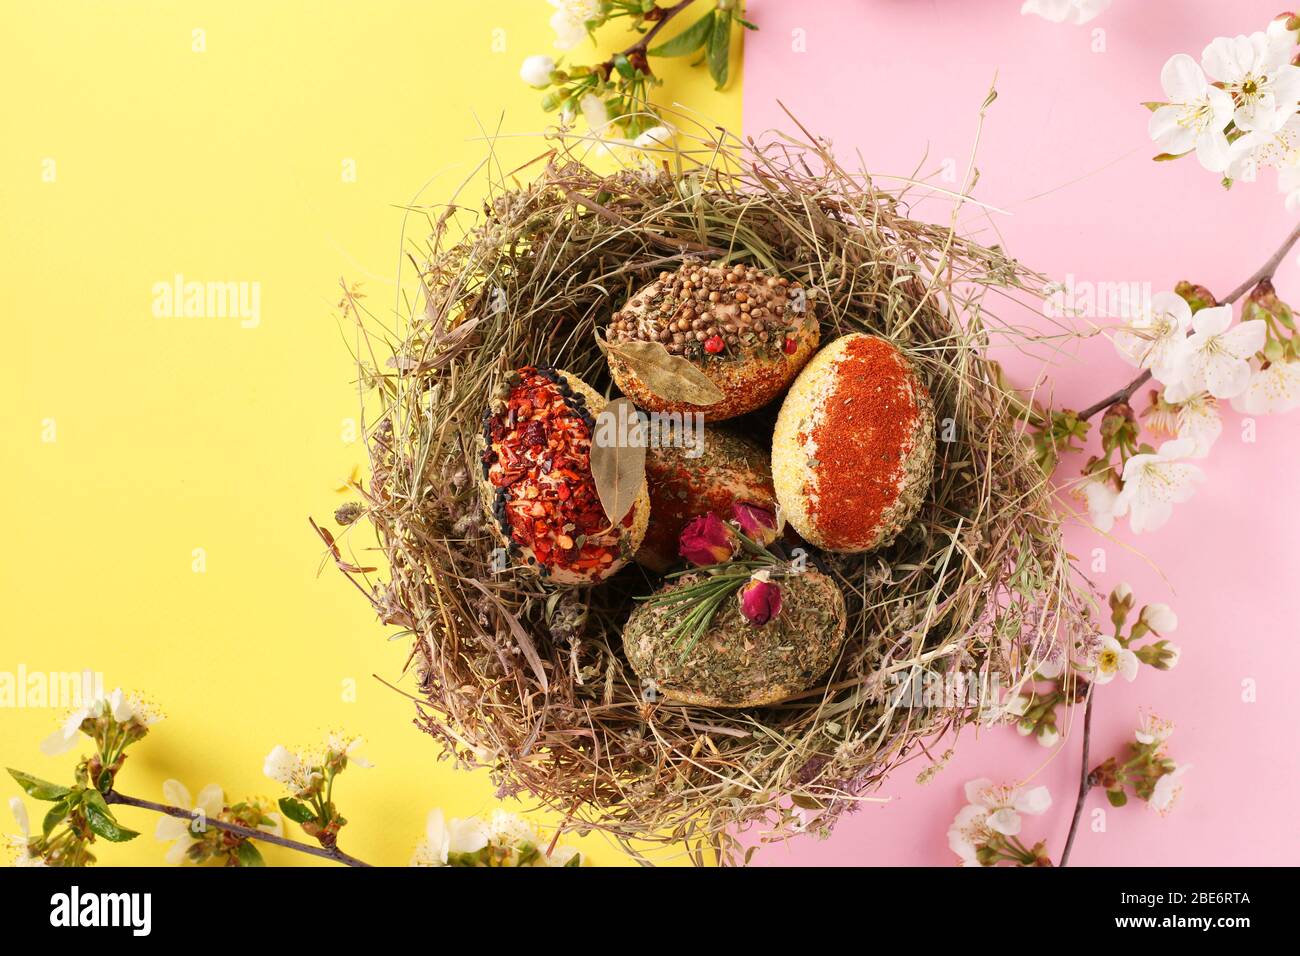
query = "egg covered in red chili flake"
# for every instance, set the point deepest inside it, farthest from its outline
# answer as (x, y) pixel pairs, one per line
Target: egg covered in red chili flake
(538, 484)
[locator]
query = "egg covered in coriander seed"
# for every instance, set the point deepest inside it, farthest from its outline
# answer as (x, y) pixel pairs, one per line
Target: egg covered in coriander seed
(749, 333)
(853, 448)
(536, 483)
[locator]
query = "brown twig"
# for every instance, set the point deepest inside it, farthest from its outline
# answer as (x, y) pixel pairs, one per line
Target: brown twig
(333, 853)
(1085, 777)
(662, 16)
(1264, 272)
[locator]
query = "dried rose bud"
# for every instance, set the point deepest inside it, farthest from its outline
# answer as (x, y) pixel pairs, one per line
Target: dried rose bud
(757, 523)
(760, 599)
(707, 540)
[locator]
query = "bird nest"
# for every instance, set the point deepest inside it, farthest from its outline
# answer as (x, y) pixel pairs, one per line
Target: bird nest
(532, 683)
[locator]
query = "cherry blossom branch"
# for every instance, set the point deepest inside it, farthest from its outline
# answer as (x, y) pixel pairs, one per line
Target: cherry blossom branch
(1264, 272)
(661, 15)
(330, 853)
(1085, 778)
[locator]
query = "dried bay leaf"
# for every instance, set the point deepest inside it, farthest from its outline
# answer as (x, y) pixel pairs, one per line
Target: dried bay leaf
(669, 376)
(618, 449)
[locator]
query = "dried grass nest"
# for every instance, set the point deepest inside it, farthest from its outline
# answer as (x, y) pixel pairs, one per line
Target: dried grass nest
(533, 684)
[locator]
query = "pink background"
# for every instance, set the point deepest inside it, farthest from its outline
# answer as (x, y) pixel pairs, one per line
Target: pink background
(1065, 152)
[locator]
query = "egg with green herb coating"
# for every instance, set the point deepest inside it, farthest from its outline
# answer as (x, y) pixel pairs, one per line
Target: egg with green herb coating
(736, 663)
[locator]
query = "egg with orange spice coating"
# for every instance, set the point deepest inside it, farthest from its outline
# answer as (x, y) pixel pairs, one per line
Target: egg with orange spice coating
(749, 333)
(853, 448)
(694, 471)
(536, 484)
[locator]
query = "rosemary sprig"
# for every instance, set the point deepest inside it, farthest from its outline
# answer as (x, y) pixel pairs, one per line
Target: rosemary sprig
(699, 601)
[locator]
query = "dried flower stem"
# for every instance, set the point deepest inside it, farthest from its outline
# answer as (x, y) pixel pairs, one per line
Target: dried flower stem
(1085, 777)
(331, 853)
(1264, 272)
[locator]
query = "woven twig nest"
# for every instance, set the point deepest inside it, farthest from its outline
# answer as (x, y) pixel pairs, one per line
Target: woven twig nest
(532, 683)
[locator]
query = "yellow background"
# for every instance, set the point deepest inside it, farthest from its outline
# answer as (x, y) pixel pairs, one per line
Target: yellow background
(173, 434)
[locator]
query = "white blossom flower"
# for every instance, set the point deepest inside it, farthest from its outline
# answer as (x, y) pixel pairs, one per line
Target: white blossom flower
(178, 832)
(441, 839)
(1262, 148)
(536, 71)
(570, 21)
(286, 767)
(657, 137)
(1049, 736)
(1216, 357)
(1173, 654)
(1152, 729)
(1256, 71)
(131, 707)
(1154, 483)
(63, 739)
(1159, 618)
(1100, 497)
(508, 829)
(1270, 390)
(348, 746)
(1154, 339)
(1167, 789)
(1195, 117)
(969, 832)
(1198, 421)
(22, 839)
(1059, 11)
(1114, 658)
(122, 707)
(1002, 805)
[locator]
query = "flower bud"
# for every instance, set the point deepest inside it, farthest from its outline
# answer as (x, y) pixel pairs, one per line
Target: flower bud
(1121, 602)
(757, 523)
(707, 540)
(760, 599)
(1197, 296)
(536, 71)
(1159, 618)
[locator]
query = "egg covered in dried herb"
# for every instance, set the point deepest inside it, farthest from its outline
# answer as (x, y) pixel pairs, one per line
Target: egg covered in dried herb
(737, 662)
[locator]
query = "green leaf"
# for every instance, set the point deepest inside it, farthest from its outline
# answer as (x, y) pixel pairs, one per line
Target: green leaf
(1168, 157)
(58, 813)
(296, 810)
(1154, 105)
(1117, 798)
(689, 40)
(624, 66)
(575, 860)
(102, 822)
(720, 48)
(248, 855)
(36, 787)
